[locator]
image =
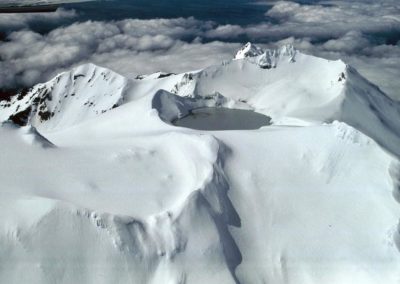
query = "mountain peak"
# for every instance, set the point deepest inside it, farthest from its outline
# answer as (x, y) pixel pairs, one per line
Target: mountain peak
(249, 50)
(266, 58)
(71, 97)
(287, 50)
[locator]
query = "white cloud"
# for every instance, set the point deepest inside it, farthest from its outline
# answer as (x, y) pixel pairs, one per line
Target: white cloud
(335, 18)
(362, 32)
(129, 47)
(226, 32)
(351, 42)
(10, 22)
(181, 57)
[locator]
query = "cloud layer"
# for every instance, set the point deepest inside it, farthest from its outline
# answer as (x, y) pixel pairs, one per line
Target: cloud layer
(129, 47)
(364, 33)
(12, 22)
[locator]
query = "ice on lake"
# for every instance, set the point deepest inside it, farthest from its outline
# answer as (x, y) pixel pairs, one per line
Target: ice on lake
(216, 118)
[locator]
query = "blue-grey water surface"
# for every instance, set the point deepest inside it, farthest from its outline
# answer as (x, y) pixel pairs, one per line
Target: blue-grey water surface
(214, 118)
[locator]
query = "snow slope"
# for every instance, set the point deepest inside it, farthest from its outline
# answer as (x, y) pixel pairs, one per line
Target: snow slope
(104, 189)
(69, 98)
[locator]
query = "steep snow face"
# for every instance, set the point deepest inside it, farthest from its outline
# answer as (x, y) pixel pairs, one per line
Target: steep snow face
(115, 195)
(249, 50)
(83, 93)
(370, 110)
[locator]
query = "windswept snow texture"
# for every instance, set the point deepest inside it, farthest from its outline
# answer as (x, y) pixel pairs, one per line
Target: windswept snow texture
(98, 186)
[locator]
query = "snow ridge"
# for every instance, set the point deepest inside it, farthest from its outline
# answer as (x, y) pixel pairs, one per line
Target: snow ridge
(83, 93)
(266, 59)
(249, 50)
(367, 108)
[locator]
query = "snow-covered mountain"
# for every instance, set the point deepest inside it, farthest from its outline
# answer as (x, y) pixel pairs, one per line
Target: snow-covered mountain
(249, 50)
(97, 178)
(69, 98)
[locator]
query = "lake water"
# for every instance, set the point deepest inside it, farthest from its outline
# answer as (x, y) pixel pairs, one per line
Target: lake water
(223, 119)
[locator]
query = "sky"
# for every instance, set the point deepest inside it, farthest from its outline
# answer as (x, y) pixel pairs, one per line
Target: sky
(135, 37)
